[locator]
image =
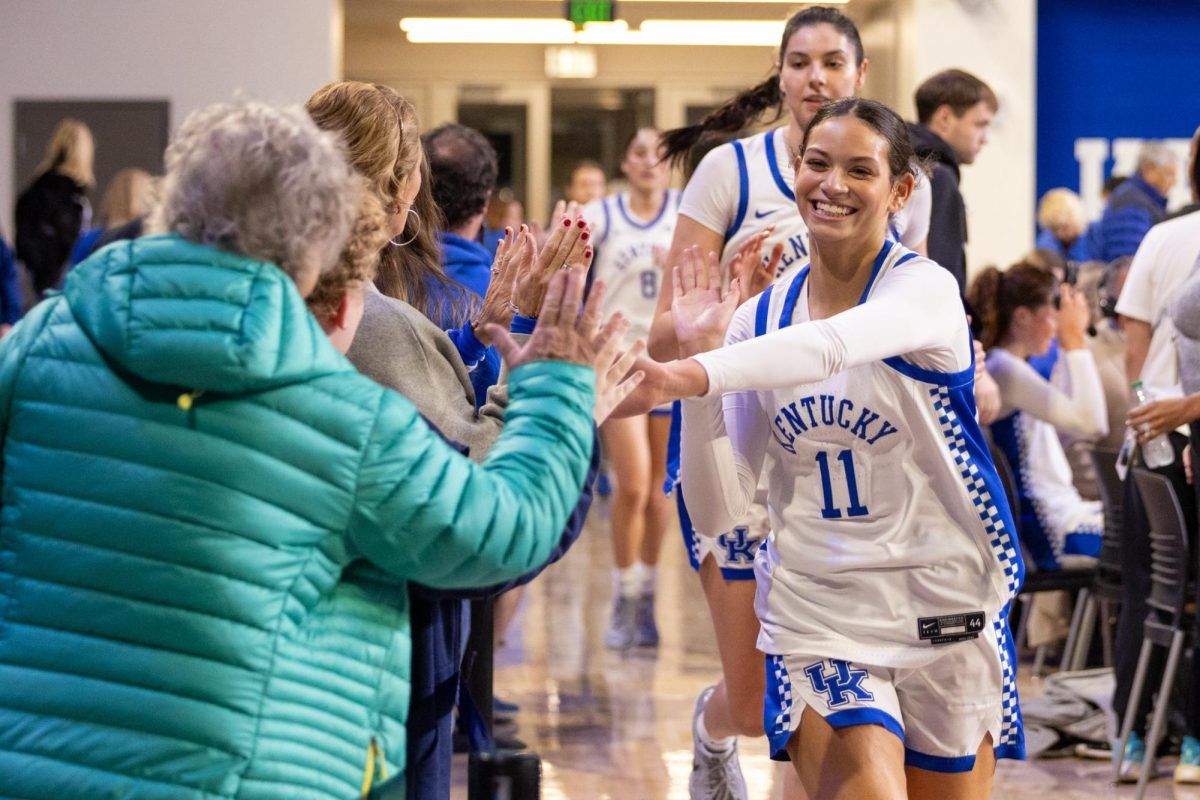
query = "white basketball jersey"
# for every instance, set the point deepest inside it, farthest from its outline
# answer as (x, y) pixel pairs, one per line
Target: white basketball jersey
(625, 257)
(765, 197)
(889, 528)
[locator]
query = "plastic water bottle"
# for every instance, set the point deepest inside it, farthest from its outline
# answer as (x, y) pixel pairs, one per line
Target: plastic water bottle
(1158, 452)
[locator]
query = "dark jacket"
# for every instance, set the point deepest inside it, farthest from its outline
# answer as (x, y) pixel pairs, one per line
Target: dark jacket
(948, 217)
(49, 217)
(437, 628)
(1135, 206)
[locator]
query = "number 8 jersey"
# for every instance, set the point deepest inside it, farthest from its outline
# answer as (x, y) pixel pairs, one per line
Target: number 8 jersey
(625, 258)
(890, 533)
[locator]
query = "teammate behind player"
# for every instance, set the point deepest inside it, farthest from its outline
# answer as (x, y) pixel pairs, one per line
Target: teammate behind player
(885, 582)
(632, 231)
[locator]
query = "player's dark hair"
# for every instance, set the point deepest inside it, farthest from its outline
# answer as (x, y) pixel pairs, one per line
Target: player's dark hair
(995, 295)
(748, 105)
(1195, 165)
(902, 159)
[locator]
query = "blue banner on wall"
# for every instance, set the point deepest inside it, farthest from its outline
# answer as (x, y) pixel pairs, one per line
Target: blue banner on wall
(1110, 75)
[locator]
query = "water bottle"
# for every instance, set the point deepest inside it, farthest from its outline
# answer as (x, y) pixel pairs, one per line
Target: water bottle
(1158, 452)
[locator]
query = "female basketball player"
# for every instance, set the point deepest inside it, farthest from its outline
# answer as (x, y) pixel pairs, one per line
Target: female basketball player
(741, 195)
(884, 584)
(632, 231)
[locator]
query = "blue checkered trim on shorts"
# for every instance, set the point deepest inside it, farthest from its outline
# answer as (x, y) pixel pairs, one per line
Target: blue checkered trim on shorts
(778, 706)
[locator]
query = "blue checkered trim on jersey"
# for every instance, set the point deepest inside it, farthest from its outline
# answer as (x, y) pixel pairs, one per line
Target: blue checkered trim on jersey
(999, 537)
(778, 705)
(1012, 741)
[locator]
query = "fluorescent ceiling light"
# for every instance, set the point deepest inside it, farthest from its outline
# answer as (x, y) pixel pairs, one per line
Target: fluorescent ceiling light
(543, 30)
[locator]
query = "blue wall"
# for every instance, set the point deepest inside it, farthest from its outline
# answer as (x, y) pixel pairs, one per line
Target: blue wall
(1109, 69)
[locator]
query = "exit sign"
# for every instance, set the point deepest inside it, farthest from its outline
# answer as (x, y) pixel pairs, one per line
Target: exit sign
(581, 11)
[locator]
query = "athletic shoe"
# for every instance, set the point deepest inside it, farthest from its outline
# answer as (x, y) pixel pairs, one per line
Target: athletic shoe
(715, 776)
(645, 631)
(1131, 761)
(622, 624)
(1188, 769)
(503, 709)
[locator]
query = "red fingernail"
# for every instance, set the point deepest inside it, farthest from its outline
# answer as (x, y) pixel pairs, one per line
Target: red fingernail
(566, 222)
(582, 223)
(587, 251)
(585, 236)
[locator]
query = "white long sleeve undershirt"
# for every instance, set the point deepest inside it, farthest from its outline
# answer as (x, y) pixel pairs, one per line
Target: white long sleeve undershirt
(914, 312)
(1079, 411)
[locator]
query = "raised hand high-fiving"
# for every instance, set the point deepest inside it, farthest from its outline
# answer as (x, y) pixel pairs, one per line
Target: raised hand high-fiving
(700, 311)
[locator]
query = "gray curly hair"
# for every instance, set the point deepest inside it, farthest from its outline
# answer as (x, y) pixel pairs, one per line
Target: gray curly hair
(263, 182)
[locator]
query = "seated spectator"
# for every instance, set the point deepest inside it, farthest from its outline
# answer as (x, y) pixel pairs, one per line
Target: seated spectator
(1019, 315)
(1135, 206)
(1060, 216)
(187, 497)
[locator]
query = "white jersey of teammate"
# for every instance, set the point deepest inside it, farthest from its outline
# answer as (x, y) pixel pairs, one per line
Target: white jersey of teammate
(744, 186)
(625, 256)
(889, 528)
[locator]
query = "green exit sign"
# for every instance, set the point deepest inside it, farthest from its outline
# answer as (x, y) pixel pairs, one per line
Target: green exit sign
(581, 11)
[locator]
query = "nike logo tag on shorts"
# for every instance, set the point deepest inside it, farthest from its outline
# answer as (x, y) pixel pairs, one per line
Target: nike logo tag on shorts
(759, 215)
(950, 628)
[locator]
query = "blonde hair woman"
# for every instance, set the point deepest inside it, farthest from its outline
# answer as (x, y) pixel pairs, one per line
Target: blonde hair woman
(1062, 222)
(54, 208)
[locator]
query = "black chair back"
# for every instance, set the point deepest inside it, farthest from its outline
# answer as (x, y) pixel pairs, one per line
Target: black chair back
(1112, 497)
(1169, 590)
(1007, 479)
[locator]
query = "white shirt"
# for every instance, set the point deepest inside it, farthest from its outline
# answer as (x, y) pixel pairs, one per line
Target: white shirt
(884, 505)
(742, 187)
(1161, 264)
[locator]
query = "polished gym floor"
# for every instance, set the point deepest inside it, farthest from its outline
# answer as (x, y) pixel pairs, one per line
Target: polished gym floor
(617, 725)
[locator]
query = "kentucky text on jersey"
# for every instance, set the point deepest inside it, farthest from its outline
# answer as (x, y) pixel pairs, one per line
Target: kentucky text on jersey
(641, 250)
(794, 250)
(825, 410)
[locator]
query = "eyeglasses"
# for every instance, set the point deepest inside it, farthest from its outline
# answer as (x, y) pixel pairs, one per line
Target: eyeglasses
(415, 220)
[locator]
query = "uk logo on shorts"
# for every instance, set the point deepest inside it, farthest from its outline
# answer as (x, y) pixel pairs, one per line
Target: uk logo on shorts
(838, 682)
(740, 548)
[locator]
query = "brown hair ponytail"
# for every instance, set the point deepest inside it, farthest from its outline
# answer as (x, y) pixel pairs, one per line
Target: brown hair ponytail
(995, 295)
(746, 107)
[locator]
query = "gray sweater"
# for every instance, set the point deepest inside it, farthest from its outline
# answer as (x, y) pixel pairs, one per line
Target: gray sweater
(1185, 313)
(398, 347)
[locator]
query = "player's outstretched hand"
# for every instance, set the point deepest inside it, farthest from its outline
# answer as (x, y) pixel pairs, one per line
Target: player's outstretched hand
(700, 313)
(748, 266)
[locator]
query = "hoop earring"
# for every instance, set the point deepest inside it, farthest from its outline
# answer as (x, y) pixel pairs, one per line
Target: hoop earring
(416, 230)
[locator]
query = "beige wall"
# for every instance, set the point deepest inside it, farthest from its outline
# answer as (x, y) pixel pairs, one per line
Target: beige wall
(191, 53)
(996, 40)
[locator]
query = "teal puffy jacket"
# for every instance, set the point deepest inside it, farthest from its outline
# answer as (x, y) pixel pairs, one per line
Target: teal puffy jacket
(211, 602)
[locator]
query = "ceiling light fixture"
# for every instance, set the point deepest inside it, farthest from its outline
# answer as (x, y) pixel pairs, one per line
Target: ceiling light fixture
(542, 30)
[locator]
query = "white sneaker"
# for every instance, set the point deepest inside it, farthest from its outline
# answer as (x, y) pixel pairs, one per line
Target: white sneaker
(715, 776)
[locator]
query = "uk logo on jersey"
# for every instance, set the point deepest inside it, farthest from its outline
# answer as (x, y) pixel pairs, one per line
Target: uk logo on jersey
(739, 546)
(839, 683)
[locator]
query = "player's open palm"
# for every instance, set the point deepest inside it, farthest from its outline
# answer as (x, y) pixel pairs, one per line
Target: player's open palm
(700, 311)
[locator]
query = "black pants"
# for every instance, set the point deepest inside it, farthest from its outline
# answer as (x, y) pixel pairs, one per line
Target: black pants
(1135, 588)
